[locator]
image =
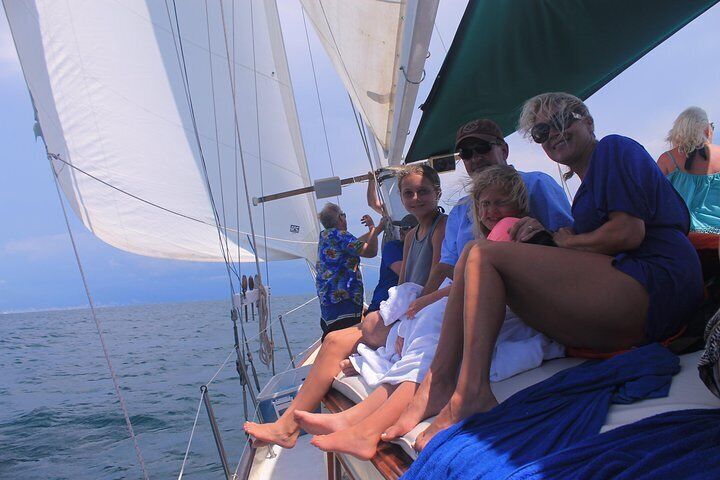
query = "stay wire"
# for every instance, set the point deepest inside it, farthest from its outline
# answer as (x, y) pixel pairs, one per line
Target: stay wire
(180, 54)
(197, 413)
(235, 139)
(317, 94)
(365, 141)
(237, 133)
(215, 125)
(267, 349)
(98, 324)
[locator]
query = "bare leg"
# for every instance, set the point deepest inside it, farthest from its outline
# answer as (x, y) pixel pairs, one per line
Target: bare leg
(348, 369)
(439, 382)
(361, 440)
(557, 296)
(284, 432)
(374, 330)
(323, 423)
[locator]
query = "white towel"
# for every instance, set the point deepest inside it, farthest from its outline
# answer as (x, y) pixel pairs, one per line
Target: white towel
(518, 347)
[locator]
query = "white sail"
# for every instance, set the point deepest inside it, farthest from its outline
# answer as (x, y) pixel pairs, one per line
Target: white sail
(134, 160)
(378, 49)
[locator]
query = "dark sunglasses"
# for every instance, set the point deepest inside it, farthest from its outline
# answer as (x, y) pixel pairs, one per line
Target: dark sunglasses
(540, 132)
(480, 148)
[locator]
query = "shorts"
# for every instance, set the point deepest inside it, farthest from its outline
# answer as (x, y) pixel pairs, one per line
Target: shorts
(337, 316)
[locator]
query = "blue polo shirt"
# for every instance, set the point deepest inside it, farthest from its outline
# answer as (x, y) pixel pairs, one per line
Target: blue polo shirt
(548, 204)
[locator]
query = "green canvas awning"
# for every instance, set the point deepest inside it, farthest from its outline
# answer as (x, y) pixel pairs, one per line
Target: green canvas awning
(506, 51)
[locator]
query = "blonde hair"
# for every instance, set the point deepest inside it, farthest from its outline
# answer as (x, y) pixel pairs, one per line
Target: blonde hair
(545, 105)
(426, 171)
(508, 180)
(688, 132)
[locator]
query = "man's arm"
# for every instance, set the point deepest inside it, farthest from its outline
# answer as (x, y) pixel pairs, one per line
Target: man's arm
(548, 202)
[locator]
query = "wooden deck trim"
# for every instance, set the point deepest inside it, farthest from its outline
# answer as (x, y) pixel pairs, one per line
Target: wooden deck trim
(390, 460)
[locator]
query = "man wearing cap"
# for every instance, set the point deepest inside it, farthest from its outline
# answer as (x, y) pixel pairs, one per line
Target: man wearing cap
(480, 144)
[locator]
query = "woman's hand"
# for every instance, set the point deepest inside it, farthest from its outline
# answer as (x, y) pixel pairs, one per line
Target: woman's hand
(417, 305)
(524, 229)
(368, 221)
(562, 236)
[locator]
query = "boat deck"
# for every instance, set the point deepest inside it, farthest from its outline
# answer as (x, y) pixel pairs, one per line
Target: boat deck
(686, 392)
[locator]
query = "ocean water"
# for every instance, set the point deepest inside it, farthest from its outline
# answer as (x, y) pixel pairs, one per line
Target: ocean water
(60, 418)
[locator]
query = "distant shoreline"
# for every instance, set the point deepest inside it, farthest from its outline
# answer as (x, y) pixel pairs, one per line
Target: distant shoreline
(123, 305)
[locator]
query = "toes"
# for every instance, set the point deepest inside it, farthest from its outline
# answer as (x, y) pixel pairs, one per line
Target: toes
(391, 433)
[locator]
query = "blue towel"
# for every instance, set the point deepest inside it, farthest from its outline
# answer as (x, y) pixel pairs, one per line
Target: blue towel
(545, 418)
(683, 444)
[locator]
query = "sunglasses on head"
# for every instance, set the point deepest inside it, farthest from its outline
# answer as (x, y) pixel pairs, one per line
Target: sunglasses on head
(481, 147)
(560, 121)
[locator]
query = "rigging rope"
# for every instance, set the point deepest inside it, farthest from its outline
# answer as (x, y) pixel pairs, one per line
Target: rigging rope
(437, 30)
(317, 94)
(98, 324)
(242, 156)
(267, 348)
(217, 137)
(217, 372)
(239, 139)
(180, 54)
(197, 413)
(192, 433)
(363, 137)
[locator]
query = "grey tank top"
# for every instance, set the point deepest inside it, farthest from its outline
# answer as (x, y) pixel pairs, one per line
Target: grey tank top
(419, 259)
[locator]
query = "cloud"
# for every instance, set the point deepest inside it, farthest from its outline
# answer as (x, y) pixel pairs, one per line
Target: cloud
(37, 248)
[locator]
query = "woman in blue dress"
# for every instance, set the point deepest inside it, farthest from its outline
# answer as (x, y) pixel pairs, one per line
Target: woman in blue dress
(625, 274)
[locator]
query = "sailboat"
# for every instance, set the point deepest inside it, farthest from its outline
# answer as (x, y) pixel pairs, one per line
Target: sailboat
(168, 124)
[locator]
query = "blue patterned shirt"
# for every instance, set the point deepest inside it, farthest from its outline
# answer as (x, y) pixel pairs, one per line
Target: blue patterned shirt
(338, 276)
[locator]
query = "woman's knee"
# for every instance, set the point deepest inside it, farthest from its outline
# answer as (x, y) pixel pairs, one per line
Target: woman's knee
(485, 252)
(374, 332)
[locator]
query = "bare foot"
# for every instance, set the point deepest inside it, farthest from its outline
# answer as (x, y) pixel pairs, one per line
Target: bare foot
(321, 423)
(350, 441)
(264, 434)
(455, 411)
(430, 397)
(347, 368)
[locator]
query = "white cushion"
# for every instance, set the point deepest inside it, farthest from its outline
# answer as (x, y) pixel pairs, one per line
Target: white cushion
(686, 392)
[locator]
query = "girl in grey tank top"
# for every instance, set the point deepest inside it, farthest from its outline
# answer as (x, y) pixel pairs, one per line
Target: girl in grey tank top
(420, 255)
(420, 191)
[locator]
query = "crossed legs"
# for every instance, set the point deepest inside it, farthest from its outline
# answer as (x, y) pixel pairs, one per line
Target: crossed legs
(337, 346)
(577, 298)
(362, 437)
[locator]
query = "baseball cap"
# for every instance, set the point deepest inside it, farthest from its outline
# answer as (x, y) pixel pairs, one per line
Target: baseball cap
(408, 220)
(481, 128)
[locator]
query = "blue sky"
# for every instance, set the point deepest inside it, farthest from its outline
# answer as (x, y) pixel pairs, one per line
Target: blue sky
(37, 266)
